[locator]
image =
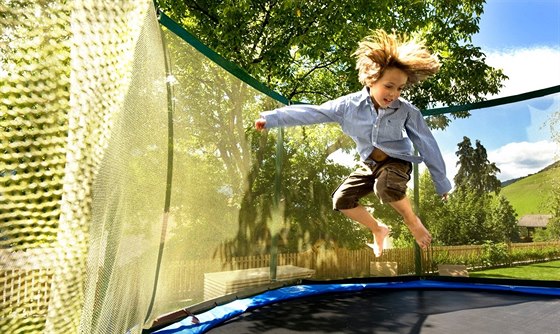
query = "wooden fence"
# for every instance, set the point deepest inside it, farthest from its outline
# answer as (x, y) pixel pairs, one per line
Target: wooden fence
(328, 264)
(25, 284)
(26, 291)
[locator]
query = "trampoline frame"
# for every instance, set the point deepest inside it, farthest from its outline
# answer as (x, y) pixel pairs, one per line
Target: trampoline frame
(213, 313)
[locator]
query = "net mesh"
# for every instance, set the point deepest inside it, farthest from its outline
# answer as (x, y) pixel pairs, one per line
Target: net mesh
(213, 159)
(119, 118)
(132, 183)
(75, 78)
(101, 130)
(34, 104)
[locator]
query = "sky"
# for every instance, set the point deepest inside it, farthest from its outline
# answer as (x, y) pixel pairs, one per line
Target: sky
(522, 37)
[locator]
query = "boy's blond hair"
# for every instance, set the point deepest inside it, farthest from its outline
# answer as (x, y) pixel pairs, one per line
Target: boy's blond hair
(380, 50)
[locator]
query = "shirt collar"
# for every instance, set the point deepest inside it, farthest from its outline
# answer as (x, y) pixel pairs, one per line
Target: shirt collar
(365, 96)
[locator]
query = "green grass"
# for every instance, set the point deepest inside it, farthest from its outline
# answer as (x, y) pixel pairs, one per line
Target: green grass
(531, 194)
(538, 271)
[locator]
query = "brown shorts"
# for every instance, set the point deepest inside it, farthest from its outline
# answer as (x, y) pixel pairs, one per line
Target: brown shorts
(388, 179)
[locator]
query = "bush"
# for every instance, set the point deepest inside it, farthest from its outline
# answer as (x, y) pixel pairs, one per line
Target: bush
(535, 254)
(495, 254)
(470, 260)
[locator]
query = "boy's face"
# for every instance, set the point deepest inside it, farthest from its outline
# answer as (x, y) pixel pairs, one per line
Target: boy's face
(388, 88)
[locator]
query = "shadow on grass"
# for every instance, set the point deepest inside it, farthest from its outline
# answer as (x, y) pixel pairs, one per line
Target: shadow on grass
(490, 275)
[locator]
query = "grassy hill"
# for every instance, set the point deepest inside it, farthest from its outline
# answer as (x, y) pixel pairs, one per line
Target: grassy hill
(530, 194)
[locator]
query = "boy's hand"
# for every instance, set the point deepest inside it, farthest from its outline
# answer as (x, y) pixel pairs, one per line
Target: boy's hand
(260, 124)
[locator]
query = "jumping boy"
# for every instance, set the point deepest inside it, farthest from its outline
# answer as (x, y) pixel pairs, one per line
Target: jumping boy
(384, 127)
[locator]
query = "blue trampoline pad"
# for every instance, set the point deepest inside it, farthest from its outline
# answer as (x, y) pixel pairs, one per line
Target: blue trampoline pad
(416, 306)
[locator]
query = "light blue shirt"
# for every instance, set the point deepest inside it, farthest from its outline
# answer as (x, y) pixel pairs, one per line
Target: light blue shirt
(393, 129)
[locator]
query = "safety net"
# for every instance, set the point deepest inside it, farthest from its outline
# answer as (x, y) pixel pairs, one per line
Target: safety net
(133, 183)
(83, 117)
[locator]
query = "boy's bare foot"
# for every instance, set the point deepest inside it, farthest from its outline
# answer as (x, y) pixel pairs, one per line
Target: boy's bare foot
(379, 238)
(420, 233)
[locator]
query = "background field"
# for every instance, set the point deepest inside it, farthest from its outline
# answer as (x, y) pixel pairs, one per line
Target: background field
(537, 271)
(530, 195)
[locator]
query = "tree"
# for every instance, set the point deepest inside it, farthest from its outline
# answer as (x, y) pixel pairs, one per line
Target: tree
(501, 224)
(302, 49)
(552, 231)
(475, 212)
(476, 172)
(434, 212)
(465, 223)
(468, 218)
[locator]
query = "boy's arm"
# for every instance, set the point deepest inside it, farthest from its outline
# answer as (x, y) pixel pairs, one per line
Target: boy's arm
(302, 114)
(424, 141)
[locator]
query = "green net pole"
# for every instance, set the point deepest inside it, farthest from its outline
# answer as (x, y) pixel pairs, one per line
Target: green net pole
(417, 252)
(276, 223)
(169, 176)
(218, 59)
(274, 257)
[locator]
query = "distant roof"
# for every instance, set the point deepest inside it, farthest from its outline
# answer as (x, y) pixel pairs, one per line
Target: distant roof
(534, 220)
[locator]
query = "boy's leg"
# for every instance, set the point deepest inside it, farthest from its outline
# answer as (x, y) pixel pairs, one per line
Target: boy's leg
(420, 233)
(391, 187)
(345, 199)
(378, 229)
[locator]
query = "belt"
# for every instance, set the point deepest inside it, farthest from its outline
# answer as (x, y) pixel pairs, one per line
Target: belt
(378, 156)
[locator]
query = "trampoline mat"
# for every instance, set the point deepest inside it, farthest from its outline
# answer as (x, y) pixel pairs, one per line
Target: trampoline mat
(403, 311)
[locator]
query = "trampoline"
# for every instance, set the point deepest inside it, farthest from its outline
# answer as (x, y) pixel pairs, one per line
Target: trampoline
(404, 305)
(132, 179)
